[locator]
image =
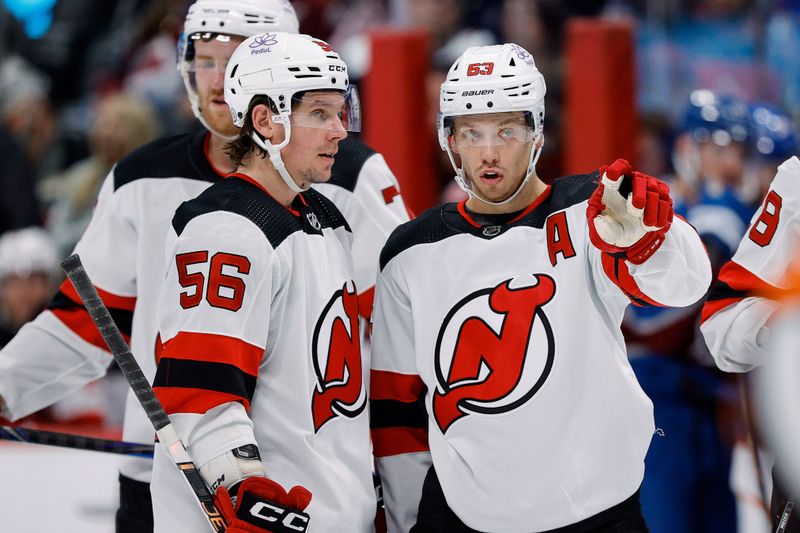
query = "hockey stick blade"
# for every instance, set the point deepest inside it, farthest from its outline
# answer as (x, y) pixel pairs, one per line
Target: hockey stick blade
(169, 438)
(77, 442)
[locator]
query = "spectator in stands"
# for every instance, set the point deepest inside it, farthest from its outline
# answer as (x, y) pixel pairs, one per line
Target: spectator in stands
(121, 124)
(18, 204)
(28, 271)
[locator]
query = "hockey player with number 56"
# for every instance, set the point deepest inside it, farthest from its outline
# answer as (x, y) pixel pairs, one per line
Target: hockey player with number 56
(502, 399)
(122, 249)
(262, 372)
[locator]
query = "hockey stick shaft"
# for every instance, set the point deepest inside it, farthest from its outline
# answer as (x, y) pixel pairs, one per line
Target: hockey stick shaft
(787, 511)
(167, 435)
(78, 442)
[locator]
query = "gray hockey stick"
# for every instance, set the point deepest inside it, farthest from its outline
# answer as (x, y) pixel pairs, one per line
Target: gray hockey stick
(77, 442)
(167, 435)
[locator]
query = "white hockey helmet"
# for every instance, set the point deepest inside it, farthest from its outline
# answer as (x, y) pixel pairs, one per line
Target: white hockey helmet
(492, 79)
(221, 18)
(26, 252)
(281, 66)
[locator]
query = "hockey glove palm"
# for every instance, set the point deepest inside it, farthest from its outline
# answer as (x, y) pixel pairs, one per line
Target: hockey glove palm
(629, 213)
(263, 506)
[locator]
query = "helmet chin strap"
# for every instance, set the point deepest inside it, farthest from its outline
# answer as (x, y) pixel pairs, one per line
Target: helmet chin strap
(274, 153)
(466, 186)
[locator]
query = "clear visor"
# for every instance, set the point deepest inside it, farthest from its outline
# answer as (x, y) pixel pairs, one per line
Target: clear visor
(327, 110)
(495, 129)
(205, 55)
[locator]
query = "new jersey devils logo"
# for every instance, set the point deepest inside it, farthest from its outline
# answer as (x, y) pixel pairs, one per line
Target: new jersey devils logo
(336, 352)
(494, 350)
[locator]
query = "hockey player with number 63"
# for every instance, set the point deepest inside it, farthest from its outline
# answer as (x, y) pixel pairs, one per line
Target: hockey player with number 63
(501, 395)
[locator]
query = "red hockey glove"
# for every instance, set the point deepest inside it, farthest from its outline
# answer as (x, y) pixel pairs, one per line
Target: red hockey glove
(263, 506)
(629, 213)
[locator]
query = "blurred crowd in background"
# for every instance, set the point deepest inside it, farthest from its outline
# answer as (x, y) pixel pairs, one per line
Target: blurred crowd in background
(84, 82)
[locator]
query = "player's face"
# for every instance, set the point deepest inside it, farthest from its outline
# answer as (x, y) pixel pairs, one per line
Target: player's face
(211, 58)
(316, 132)
(494, 150)
(724, 164)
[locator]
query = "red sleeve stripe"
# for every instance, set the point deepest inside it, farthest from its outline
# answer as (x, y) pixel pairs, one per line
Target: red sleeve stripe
(734, 284)
(200, 401)
(78, 320)
(127, 303)
(398, 440)
(739, 278)
(365, 300)
(617, 271)
(711, 307)
(212, 348)
(385, 385)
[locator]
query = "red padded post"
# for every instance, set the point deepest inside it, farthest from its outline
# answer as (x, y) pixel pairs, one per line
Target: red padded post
(600, 119)
(395, 113)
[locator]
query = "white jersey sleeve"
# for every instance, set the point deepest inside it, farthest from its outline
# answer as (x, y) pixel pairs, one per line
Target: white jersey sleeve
(399, 420)
(735, 317)
(677, 275)
(61, 350)
(214, 318)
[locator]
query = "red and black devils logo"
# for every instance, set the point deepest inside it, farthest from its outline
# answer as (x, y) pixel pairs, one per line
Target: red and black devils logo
(336, 351)
(494, 350)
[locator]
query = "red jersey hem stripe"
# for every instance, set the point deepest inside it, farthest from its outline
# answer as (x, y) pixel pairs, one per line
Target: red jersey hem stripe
(395, 441)
(385, 385)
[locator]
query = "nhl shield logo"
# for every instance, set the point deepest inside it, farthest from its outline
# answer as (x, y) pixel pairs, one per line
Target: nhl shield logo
(314, 221)
(494, 351)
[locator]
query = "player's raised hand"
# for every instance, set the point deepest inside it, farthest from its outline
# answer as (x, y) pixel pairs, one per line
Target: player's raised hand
(263, 506)
(629, 213)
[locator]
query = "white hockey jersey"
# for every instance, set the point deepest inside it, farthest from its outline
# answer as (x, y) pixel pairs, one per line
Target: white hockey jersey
(498, 348)
(737, 310)
(259, 318)
(123, 252)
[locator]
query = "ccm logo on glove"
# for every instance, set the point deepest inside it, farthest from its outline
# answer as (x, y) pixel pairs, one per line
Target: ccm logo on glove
(287, 518)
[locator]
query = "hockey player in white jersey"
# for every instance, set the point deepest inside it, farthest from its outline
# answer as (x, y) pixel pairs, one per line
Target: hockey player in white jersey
(262, 372)
(122, 248)
(501, 396)
(736, 316)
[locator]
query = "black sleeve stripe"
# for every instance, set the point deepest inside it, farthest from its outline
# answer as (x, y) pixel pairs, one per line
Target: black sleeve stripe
(217, 377)
(122, 317)
(723, 291)
(393, 413)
